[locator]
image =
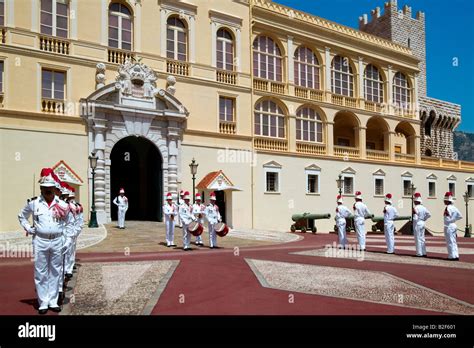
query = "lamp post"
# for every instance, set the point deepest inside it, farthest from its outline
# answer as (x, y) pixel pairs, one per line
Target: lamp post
(339, 182)
(467, 230)
(93, 163)
(194, 167)
(412, 193)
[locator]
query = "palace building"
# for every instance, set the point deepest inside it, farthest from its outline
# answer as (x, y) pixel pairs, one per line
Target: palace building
(272, 103)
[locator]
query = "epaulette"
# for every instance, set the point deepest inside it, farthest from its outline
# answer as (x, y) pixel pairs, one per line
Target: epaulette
(30, 199)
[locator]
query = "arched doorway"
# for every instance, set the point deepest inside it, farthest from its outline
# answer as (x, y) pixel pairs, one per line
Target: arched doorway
(136, 165)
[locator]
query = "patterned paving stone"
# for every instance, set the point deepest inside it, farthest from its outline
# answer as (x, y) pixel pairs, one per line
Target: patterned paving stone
(360, 285)
(119, 288)
(379, 257)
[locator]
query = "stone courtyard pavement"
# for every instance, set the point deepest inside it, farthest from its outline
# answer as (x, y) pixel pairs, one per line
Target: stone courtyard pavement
(132, 271)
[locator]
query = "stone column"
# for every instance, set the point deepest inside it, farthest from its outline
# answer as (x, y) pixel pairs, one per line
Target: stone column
(327, 58)
(389, 92)
(390, 136)
(330, 138)
(291, 136)
(362, 141)
(173, 151)
(417, 146)
(361, 94)
(100, 127)
(290, 65)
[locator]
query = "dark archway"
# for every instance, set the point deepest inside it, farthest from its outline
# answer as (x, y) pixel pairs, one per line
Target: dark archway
(136, 165)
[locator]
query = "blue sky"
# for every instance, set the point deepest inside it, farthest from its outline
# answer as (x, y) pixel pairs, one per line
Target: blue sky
(449, 35)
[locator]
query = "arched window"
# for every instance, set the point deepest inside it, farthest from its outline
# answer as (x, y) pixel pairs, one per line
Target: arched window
(373, 84)
(176, 39)
(225, 50)
(54, 17)
(120, 26)
(342, 77)
(269, 119)
(267, 60)
(309, 126)
(401, 91)
(306, 68)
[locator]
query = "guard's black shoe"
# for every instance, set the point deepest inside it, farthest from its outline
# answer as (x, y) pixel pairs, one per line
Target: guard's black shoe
(454, 259)
(55, 309)
(68, 276)
(42, 311)
(172, 245)
(187, 249)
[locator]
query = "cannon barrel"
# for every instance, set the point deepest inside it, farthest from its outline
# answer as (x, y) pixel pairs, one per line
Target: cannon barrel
(351, 217)
(380, 218)
(310, 216)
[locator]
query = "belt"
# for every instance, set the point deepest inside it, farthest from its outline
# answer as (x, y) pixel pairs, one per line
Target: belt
(48, 235)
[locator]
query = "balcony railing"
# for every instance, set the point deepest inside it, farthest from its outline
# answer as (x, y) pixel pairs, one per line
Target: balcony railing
(404, 157)
(227, 127)
(3, 35)
(119, 56)
(430, 161)
(344, 101)
(272, 144)
(377, 155)
(346, 151)
(53, 106)
(374, 107)
(449, 163)
(269, 86)
(401, 112)
(228, 77)
(309, 93)
(177, 67)
(54, 44)
(311, 148)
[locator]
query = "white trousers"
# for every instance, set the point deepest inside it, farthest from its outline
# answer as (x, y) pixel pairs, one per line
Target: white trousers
(341, 232)
(48, 270)
(121, 217)
(419, 234)
(169, 231)
(186, 236)
(451, 242)
(212, 235)
(70, 257)
(359, 225)
(389, 230)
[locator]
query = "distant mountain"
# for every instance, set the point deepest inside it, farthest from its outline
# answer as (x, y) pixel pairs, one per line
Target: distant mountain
(464, 145)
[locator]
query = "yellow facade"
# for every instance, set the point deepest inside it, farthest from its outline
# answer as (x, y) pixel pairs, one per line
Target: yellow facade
(35, 134)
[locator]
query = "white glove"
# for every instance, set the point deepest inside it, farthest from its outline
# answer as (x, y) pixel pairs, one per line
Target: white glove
(31, 230)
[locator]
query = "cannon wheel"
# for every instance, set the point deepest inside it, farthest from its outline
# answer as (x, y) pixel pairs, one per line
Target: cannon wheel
(303, 229)
(374, 228)
(314, 229)
(348, 229)
(293, 228)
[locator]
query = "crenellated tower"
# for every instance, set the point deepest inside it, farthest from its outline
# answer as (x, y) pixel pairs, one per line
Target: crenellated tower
(439, 118)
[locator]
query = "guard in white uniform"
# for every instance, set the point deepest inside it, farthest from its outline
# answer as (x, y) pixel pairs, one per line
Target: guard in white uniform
(420, 215)
(170, 211)
(180, 201)
(360, 213)
(51, 219)
(389, 213)
(198, 211)
(213, 217)
(451, 215)
(78, 215)
(122, 203)
(342, 212)
(186, 214)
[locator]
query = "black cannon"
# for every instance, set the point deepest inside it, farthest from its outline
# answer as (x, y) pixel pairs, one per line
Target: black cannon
(378, 222)
(305, 221)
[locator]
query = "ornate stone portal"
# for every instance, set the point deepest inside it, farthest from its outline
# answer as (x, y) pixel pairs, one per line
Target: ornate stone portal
(132, 106)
